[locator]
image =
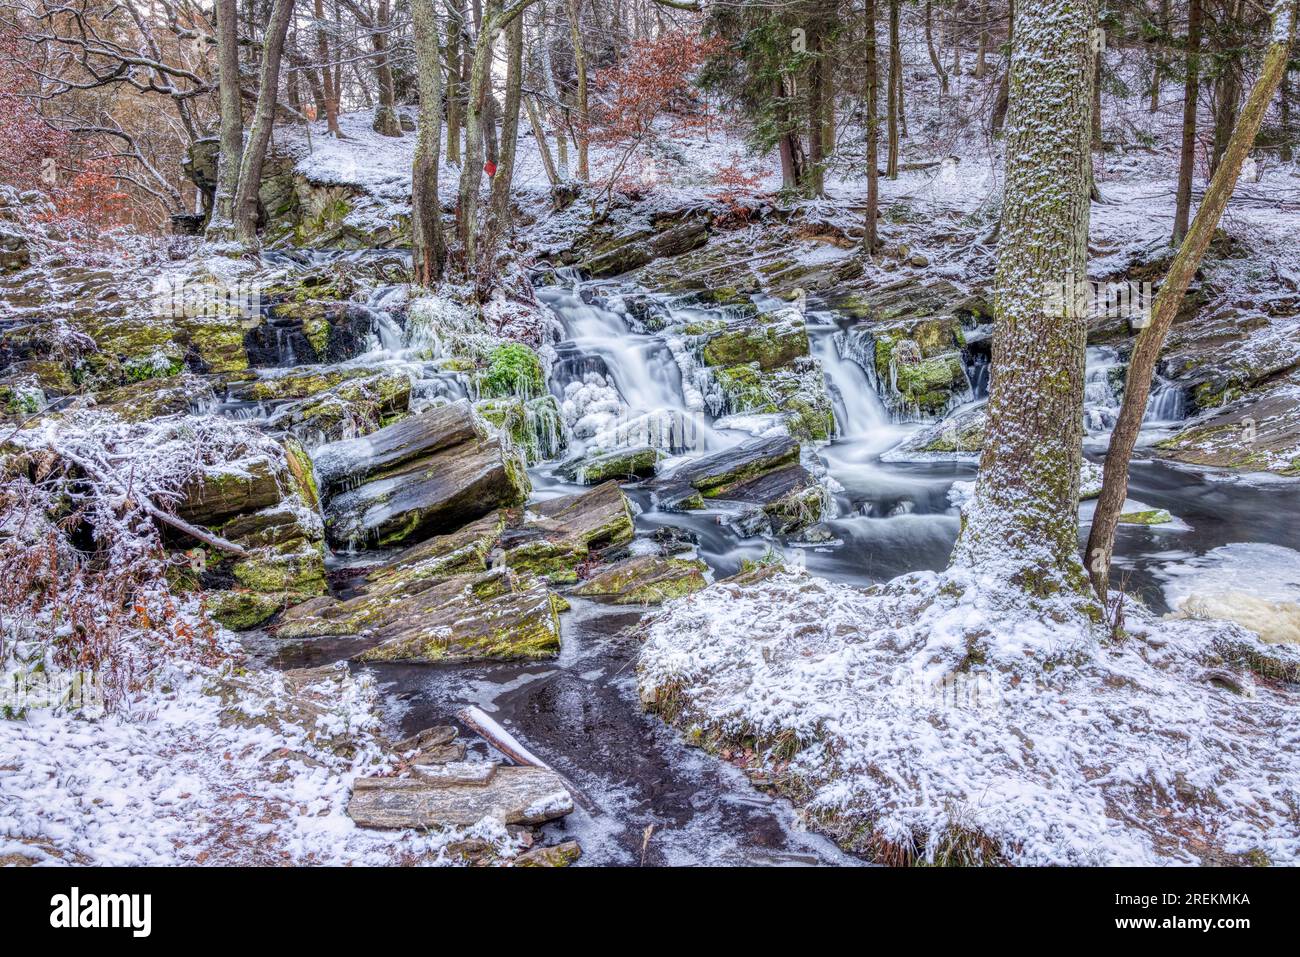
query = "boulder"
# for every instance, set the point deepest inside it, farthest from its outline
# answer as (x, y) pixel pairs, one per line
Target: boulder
(600, 517)
(355, 408)
(613, 253)
(714, 476)
(392, 448)
(795, 395)
(557, 855)
(771, 340)
(268, 507)
(1260, 431)
(510, 795)
(960, 436)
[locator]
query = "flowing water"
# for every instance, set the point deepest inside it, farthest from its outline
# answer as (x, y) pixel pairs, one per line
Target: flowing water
(647, 797)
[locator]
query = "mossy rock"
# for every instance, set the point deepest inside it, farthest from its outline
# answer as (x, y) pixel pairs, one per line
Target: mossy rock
(771, 341)
(242, 610)
(513, 369)
(619, 464)
(645, 580)
(1149, 516)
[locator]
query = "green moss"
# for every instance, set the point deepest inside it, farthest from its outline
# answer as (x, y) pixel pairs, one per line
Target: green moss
(1150, 516)
(513, 369)
(304, 476)
(770, 344)
(556, 561)
(241, 610)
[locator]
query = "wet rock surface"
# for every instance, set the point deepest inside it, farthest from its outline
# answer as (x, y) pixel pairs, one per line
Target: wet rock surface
(456, 798)
(423, 476)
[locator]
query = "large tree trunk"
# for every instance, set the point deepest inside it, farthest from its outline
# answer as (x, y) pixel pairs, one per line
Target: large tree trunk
(891, 93)
(509, 126)
(869, 239)
(426, 211)
(580, 65)
(268, 82)
(221, 224)
(1141, 367)
(386, 119)
(1022, 527)
(1187, 153)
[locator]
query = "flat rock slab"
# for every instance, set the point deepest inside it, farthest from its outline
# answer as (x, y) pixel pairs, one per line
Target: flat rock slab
(599, 518)
(511, 795)
(428, 496)
(713, 476)
(381, 452)
(645, 580)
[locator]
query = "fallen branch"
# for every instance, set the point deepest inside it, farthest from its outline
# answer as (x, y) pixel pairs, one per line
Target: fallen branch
(478, 721)
(94, 473)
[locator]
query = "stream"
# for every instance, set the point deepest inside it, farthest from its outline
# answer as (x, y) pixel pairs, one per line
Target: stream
(647, 797)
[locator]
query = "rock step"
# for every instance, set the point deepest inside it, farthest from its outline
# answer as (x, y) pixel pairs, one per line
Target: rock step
(511, 795)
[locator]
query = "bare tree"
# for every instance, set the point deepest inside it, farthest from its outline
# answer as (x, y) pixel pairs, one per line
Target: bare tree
(1141, 367)
(250, 165)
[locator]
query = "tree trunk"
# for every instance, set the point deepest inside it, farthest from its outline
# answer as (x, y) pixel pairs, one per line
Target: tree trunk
(1098, 59)
(221, 224)
(553, 92)
(816, 113)
(1284, 116)
(982, 50)
(455, 91)
(1227, 88)
(828, 125)
(891, 94)
(1023, 527)
(869, 240)
(939, 71)
(471, 174)
(1141, 367)
(426, 211)
(328, 90)
(789, 147)
(1158, 67)
(509, 126)
(1187, 153)
(543, 147)
(580, 66)
(1004, 85)
(268, 82)
(386, 120)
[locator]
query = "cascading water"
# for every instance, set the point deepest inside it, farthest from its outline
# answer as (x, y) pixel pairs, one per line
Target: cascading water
(621, 388)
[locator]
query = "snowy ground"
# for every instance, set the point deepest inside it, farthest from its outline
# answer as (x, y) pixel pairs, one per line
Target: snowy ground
(209, 766)
(872, 710)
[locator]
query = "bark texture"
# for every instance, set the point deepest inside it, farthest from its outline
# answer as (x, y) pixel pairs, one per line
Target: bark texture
(1023, 524)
